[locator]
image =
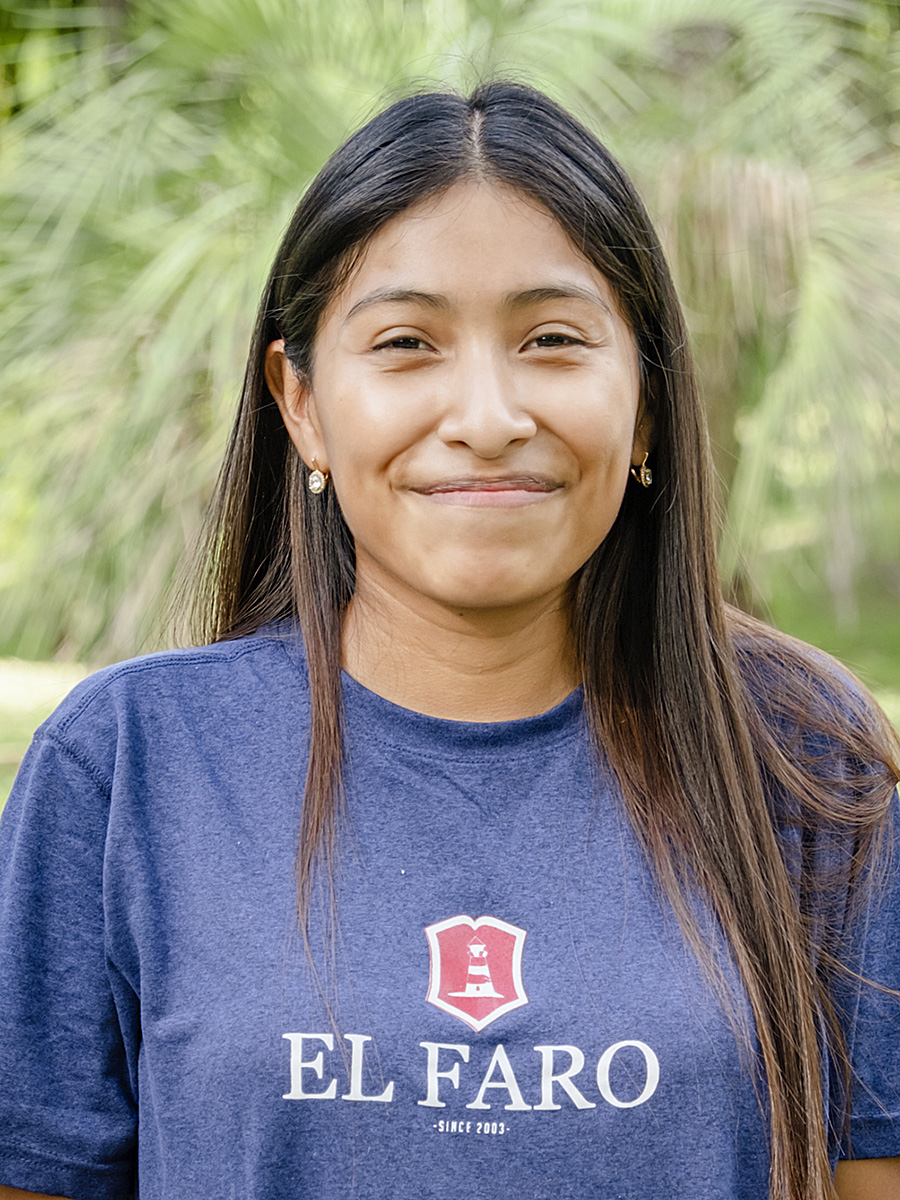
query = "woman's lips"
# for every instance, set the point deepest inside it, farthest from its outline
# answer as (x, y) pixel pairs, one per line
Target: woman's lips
(507, 492)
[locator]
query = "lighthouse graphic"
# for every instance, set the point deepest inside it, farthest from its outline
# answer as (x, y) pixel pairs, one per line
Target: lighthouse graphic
(478, 982)
(476, 968)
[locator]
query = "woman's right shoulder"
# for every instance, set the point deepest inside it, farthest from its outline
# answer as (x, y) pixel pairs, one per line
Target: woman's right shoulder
(248, 679)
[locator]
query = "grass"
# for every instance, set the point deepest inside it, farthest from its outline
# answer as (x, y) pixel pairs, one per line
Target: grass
(29, 691)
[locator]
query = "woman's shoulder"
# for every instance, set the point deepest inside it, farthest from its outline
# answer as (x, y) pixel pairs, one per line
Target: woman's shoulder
(225, 684)
(822, 739)
(800, 690)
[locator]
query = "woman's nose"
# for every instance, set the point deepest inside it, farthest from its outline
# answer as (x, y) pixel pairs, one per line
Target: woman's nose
(485, 409)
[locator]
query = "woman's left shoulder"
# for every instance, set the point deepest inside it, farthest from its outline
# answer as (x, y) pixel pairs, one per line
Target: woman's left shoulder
(829, 756)
(806, 699)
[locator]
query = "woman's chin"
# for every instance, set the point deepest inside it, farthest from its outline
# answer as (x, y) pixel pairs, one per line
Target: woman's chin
(485, 595)
(502, 581)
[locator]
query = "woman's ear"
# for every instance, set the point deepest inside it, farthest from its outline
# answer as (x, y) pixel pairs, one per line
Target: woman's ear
(644, 425)
(293, 395)
(643, 436)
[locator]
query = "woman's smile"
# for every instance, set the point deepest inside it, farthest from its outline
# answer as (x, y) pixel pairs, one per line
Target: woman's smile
(505, 492)
(477, 740)
(475, 399)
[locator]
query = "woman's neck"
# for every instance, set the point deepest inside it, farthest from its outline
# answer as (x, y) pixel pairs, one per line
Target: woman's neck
(461, 665)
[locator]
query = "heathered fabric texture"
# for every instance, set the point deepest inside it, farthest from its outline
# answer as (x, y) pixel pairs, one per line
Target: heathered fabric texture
(159, 1021)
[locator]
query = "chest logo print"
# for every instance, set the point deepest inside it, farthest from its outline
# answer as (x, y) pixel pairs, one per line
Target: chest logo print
(476, 968)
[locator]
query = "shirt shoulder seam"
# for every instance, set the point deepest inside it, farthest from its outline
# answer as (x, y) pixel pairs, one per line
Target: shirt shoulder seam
(56, 732)
(153, 663)
(80, 760)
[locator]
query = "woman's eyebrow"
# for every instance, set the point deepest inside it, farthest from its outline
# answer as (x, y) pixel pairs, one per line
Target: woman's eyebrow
(564, 291)
(388, 295)
(511, 302)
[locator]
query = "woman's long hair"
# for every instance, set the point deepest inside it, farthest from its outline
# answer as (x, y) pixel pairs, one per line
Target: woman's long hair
(724, 735)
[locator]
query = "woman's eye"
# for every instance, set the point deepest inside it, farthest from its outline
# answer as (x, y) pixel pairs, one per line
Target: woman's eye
(401, 343)
(544, 340)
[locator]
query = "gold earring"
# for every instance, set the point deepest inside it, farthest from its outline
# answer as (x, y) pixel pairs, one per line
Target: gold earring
(643, 474)
(318, 480)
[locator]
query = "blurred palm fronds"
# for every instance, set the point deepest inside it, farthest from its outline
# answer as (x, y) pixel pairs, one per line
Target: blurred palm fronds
(152, 161)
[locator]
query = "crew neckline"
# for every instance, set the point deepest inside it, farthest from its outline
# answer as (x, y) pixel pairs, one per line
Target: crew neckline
(373, 715)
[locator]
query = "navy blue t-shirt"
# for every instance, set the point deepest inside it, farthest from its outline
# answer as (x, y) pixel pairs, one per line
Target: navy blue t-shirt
(507, 1008)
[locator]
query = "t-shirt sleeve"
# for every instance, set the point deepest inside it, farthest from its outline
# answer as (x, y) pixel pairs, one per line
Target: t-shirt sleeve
(67, 1059)
(874, 1034)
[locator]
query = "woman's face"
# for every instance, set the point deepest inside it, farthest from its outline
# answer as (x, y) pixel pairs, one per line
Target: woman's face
(474, 397)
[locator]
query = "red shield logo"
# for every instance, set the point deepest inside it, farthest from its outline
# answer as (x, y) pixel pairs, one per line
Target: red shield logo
(476, 968)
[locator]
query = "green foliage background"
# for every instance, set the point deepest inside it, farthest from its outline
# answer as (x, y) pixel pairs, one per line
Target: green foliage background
(151, 153)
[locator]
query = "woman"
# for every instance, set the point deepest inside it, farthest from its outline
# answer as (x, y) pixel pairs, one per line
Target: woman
(587, 862)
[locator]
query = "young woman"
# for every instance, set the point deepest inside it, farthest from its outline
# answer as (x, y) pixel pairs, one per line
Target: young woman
(590, 898)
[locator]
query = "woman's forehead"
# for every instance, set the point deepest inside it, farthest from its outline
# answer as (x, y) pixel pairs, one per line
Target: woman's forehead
(475, 242)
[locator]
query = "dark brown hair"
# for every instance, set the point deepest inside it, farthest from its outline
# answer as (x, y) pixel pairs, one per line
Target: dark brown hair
(725, 735)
